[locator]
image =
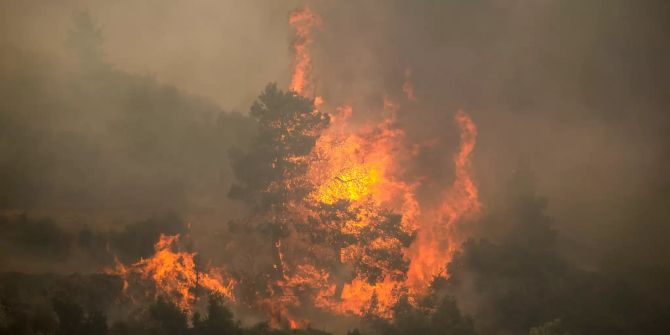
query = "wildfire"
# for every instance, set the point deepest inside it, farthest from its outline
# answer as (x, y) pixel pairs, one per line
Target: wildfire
(362, 166)
(354, 164)
(377, 241)
(175, 274)
(303, 21)
(359, 167)
(439, 237)
(351, 184)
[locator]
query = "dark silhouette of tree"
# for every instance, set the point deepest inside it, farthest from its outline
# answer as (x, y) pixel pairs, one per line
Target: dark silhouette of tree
(325, 227)
(19, 318)
(95, 324)
(72, 320)
(530, 227)
(271, 180)
(447, 319)
(268, 175)
(165, 318)
(520, 281)
(137, 239)
(219, 320)
(70, 316)
(435, 314)
(38, 238)
(85, 40)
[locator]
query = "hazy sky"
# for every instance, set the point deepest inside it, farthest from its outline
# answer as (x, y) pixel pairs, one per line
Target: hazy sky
(224, 50)
(572, 87)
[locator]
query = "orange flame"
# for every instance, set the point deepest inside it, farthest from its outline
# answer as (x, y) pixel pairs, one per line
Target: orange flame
(304, 21)
(362, 167)
(360, 297)
(438, 236)
(351, 163)
(354, 165)
(174, 274)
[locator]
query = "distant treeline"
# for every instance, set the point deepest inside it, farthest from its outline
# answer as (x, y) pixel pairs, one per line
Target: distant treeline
(81, 305)
(518, 284)
(44, 244)
(79, 134)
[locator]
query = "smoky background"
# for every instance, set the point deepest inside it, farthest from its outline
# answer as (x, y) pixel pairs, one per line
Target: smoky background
(130, 130)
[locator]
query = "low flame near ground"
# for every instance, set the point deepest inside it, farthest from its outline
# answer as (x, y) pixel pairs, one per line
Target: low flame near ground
(357, 171)
(175, 275)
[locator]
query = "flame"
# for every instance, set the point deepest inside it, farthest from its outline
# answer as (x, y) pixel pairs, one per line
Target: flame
(357, 173)
(294, 324)
(360, 297)
(439, 237)
(121, 270)
(303, 21)
(354, 163)
(358, 166)
(361, 167)
(174, 274)
(350, 184)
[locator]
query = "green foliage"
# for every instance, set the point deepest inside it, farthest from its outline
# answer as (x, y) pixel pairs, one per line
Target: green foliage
(268, 174)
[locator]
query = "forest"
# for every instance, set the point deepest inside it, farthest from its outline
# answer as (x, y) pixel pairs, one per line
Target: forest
(405, 168)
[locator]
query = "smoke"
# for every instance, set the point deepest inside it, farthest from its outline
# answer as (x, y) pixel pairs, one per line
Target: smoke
(573, 90)
(115, 114)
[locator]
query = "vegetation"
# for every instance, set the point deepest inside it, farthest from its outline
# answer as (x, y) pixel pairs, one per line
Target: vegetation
(89, 137)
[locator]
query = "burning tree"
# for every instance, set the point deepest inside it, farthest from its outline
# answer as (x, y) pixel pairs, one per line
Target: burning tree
(333, 212)
(271, 175)
(329, 239)
(365, 241)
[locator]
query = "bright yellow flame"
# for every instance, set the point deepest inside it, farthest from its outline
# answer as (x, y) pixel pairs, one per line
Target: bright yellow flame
(352, 184)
